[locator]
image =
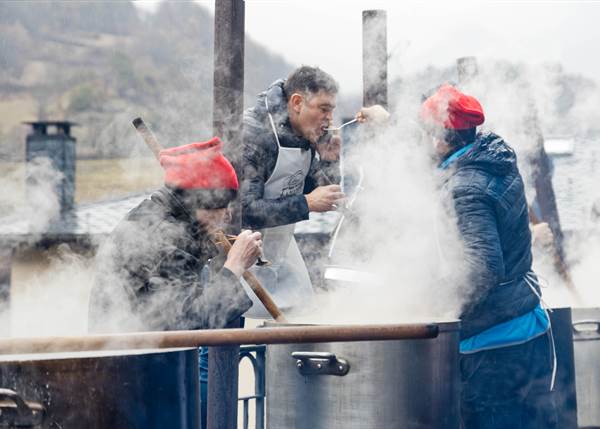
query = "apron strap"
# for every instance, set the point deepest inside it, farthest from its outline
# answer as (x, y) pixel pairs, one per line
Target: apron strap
(272, 121)
(531, 280)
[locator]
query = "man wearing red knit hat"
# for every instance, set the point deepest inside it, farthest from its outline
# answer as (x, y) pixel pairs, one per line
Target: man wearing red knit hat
(159, 270)
(507, 356)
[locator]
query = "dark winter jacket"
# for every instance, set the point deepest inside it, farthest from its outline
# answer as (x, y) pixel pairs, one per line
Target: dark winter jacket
(260, 152)
(488, 198)
(150, 274)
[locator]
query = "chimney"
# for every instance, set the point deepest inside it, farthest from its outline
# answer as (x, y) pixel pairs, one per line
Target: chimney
(52, 142)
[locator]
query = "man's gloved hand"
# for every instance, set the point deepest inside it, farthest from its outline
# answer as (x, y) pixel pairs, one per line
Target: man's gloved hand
(542, 235)
(375, 114)
(244, 252)
(325, 198)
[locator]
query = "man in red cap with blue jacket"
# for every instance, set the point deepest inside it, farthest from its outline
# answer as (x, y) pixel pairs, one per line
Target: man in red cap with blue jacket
(506, 343)
(507, 356)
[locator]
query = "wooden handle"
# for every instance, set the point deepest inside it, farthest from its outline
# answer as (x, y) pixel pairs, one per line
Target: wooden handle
(217, 337)
(220, 238)
(148, 136)
(559, 263)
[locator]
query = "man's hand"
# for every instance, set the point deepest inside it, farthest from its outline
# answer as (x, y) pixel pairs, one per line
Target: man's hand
(325, 198)
(330, 150)
(374, 114)
(244, 252)
(542, 235)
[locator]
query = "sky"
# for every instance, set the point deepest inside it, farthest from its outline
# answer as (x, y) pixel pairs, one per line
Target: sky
(327, 33)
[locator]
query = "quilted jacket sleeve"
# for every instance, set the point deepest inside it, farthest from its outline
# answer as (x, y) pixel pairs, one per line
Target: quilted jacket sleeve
(187, 301)
(477, 223)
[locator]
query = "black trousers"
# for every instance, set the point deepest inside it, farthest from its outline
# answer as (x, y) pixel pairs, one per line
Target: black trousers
(509, 387)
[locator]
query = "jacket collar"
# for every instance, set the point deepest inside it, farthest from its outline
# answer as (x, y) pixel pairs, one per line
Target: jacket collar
(455, 156)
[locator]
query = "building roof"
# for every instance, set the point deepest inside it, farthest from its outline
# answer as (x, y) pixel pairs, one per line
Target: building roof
(86, 220)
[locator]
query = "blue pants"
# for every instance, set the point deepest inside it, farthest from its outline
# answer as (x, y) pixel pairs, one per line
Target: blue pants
(508, 387)
(203, 366)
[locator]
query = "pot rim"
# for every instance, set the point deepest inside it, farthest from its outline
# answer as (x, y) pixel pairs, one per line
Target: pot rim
(445, 326)
(90, 354)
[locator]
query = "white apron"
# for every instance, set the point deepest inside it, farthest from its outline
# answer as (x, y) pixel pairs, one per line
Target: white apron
(287, 279)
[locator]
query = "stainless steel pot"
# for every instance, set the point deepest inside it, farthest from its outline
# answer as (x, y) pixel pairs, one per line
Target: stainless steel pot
(406, 384)
(586, 344)
(100, 390)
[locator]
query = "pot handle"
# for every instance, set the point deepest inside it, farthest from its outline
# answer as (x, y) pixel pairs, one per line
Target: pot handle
(320, 363)
(23, 414)
(584, 332)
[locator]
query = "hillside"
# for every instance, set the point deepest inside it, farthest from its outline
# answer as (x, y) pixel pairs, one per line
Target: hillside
(102, 63)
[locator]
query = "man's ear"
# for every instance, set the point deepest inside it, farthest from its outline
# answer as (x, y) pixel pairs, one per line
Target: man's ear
(295, 102)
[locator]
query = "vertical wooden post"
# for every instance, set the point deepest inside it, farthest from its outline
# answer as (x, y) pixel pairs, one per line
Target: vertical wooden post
(228, 105)
(223, 363)
(375, 57)
(6, 260)
(542, 181)
(228, 89)
(467, 69)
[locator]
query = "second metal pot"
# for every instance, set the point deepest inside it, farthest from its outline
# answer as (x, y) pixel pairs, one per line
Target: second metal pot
(408, 384)
(100, 390)
(586, 345)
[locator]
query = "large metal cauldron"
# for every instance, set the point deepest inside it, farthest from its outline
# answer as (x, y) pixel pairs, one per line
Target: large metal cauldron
(100, 390)
(586, 345)
(407, 384)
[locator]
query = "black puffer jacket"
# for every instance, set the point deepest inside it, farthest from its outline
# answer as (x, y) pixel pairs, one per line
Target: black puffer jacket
(150, 277)
(488, 198)
(260, 155)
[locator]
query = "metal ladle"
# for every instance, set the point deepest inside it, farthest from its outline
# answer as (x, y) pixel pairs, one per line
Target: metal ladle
(341, 126)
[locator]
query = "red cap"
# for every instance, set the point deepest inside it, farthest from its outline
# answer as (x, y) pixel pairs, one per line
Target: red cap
(200, 174)
(449, 108)
(198, 166)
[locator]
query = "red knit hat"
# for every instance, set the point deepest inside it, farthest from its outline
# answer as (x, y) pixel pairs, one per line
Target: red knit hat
(451, 109)
(201, 173)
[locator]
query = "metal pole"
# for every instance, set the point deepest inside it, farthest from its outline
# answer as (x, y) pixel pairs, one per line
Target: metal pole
(6, 260)
(228, 105)
(375, 56)
(223, 364)
(219, 337)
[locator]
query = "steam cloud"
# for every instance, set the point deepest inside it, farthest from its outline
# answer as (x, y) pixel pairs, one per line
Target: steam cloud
(401, 224)
(404, 236)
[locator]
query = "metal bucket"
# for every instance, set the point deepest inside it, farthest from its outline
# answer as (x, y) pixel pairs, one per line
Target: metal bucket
(586, 344)
(100, 390)
(408, 384)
